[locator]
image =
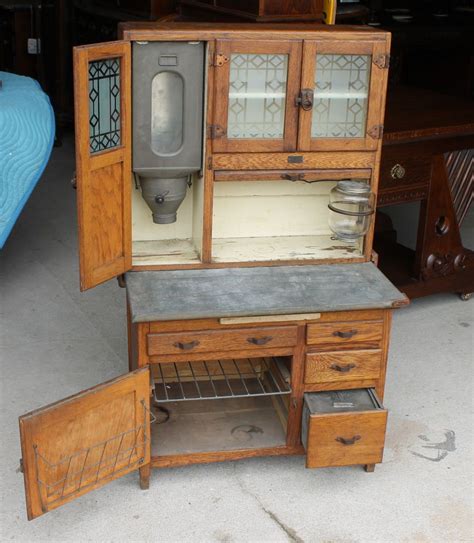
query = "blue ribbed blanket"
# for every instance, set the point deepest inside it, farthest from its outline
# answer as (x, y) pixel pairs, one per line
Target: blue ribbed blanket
(26, 139)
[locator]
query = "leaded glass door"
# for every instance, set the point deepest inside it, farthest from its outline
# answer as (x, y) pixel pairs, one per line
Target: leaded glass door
(346, 81)
(256, 86)
(102, 98)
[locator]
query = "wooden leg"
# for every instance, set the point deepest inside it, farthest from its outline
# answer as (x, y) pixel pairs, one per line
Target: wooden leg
(145, 477)
(369, 468)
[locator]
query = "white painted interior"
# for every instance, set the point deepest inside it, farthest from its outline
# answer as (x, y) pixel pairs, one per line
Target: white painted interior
(281, 220)
(167, 244)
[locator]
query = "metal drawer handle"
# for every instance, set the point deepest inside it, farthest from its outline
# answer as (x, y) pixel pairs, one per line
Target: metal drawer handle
(343, 369)
(349, 441)
(259, 340)
(345, 335)
(186, 346)
(397, 172)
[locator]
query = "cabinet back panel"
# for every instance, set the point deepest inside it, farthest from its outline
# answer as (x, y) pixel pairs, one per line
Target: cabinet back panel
(261, 209)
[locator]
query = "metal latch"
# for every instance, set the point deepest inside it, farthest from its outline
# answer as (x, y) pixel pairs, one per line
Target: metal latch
(305, 99)
(382, 61)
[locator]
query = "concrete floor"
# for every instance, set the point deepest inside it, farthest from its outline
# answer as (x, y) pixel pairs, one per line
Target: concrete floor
(57, 341)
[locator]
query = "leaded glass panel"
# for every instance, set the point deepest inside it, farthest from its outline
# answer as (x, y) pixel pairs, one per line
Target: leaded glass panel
(257, 96)
(104, 104)
(341, 96)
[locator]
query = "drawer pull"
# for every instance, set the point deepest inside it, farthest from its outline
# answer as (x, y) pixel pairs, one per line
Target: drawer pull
(186, 346)
(343, 369)
(349, 441)
(345, 335)
(397, 172)
(259, 340)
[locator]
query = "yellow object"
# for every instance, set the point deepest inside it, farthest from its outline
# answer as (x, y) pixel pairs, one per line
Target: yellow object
(329, 12)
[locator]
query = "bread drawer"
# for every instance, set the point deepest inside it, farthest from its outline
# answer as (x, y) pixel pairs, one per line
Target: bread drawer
(336, 366)
(341, 428)
(221, 340)
(347, 334)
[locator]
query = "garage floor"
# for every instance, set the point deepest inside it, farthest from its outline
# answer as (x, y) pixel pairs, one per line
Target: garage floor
(56, 341)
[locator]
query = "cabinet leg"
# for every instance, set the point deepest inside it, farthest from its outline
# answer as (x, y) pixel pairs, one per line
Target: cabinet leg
(369, 468)
(145, 477)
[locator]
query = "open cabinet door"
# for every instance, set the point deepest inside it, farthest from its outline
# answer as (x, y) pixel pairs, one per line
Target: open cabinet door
(85, 441)
(102, 98)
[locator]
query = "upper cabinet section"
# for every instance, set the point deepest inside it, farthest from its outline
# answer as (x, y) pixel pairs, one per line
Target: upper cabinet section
(291, 95)
(256, 86)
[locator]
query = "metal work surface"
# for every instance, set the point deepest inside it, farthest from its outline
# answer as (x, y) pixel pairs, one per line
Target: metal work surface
(236, 292)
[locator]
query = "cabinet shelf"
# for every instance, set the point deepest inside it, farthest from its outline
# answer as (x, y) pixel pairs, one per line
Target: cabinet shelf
(218, 379)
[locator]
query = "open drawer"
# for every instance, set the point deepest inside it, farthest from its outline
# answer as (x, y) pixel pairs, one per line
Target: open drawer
(343, 427)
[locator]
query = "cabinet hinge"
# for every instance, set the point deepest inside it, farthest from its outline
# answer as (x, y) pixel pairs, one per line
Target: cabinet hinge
(21, 468)
(220, 60)
(382, 61)
(376, 132)
(215, 131)
(209, 162)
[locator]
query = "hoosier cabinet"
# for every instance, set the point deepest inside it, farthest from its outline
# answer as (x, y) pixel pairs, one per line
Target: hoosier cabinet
(227, 176)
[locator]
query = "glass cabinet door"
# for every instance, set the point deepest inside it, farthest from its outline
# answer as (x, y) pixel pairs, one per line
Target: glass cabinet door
(346, 84)
(254, 104)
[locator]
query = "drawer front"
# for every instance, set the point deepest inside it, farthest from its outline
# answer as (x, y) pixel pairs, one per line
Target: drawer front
(342, 366)
(345, 334)
(345, 439)
(403, 166)
(226, 340)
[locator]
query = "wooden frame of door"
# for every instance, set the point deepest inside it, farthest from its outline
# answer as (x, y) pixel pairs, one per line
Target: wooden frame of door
(377, 84)
(292, 48)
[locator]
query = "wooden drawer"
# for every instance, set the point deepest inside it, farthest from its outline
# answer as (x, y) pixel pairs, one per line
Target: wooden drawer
(404, 166)
(341, 428)
(342, 366)
(347, 334)
(221, 340)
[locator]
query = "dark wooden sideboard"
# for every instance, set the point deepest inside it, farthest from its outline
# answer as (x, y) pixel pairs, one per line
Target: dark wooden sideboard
(427, 156)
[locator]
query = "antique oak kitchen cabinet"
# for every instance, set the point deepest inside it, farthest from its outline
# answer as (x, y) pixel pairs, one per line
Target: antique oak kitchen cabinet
(227, 176)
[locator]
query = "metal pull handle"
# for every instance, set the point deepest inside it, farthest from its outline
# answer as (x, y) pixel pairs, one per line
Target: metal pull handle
(293, 176)
(397, 172)
(186, 346)
(305, 99)
(349, 441)
(259, 340)
(345, 335)
(343, 369)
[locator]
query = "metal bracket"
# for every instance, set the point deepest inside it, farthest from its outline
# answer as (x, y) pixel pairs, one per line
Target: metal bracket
(382, 61)
(376, 132)
(215, 131)
(220, 60)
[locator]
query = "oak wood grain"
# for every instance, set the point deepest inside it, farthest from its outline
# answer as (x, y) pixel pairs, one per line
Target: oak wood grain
(231, 340)
(103, 179)
(324, 449)
(85, 441)
(342, 366)
(346, 334)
